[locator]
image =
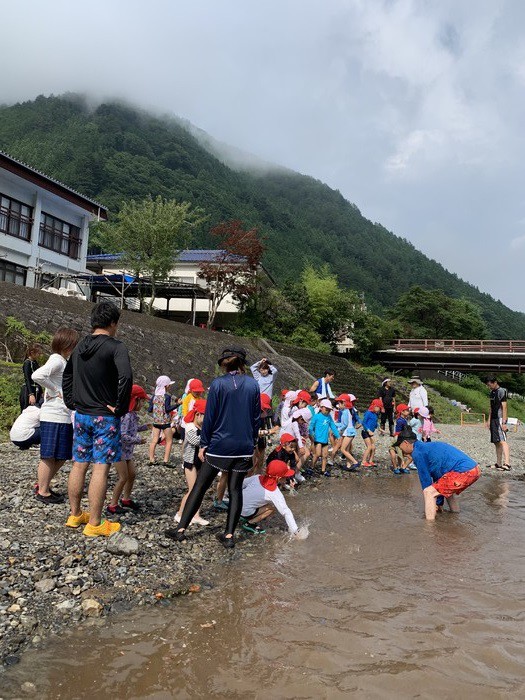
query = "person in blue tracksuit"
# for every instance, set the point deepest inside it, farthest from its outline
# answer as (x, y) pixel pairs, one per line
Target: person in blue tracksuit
(348, 421)
(321, 425)
(229, 433)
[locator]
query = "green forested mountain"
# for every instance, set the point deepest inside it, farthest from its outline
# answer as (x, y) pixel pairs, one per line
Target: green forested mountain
(115, 152)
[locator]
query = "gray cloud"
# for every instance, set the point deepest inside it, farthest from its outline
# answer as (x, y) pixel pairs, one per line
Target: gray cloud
(413, 109)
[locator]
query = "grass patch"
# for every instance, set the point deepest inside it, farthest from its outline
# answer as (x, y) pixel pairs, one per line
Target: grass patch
(475, 398)
(10, 382)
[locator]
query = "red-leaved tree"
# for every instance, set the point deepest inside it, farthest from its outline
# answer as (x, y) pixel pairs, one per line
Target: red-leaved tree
(233, 269)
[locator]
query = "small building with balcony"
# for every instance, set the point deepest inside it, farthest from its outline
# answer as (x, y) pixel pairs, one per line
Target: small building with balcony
(43, 225)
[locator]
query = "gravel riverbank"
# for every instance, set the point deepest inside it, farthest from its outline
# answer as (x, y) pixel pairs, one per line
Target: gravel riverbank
(52, 577)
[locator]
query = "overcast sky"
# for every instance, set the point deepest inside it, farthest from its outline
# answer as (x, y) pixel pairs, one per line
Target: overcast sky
(413, 109)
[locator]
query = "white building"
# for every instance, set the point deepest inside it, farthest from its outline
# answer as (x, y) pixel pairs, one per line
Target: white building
(43, 225)
(185, 271)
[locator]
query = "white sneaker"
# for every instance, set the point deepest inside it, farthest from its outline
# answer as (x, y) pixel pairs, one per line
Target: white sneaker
(299, 478)
(197, 520)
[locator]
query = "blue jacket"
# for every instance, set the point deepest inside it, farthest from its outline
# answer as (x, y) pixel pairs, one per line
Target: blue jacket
(320, 427)
(370, 421)
(232, 416)
(434, 459)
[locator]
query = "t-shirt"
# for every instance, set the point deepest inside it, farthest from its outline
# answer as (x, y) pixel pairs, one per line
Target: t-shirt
(497, 397)
(254, 495)
(401, 424)
(25, 425)
(50, 377)
(434, 459)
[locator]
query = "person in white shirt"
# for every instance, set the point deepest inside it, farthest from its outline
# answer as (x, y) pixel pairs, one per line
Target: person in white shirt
(25, 431)
(418, 396)
(264, 374)
(261, 498)
(56, 428)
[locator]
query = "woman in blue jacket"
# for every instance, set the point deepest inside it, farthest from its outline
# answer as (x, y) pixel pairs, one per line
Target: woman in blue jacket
(228, 437)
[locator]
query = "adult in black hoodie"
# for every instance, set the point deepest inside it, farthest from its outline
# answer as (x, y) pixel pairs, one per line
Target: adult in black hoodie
(97, 386)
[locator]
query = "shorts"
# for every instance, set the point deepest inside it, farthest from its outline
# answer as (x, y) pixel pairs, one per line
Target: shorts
(29, 442)
(161, 426)
(365, 434)
(230, 464)
(251, 515)
(350, 433)
(497, 434)
(192, 465)
(397, 450)
(56, 440)
(97, 439)
(456, 482)
(322, 444)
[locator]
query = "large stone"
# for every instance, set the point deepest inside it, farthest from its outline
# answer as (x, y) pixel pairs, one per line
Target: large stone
(46, 585)
(66, 605)
(122, 544)
(91, 607)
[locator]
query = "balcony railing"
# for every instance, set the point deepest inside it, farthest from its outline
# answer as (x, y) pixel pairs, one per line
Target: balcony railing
(15, 224)
(60, 242)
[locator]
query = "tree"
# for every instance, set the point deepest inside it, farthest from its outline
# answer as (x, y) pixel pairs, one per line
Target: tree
(430, 313)
(233, 270)
(150, 234)
(332, 309)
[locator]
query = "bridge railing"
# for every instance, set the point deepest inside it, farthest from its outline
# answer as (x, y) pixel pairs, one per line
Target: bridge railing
(451, 345)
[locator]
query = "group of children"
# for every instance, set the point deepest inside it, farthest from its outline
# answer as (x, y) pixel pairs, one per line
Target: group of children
(311, 427)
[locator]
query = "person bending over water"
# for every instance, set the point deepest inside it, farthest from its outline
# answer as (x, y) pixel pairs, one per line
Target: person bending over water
(443, 470)
(229, 433)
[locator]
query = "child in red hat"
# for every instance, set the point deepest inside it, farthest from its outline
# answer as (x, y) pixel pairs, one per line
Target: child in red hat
(190, 455)
(126, 470)
(261, 498)
(369, 425)
(399, 463)
(286, 451)
(195, 390)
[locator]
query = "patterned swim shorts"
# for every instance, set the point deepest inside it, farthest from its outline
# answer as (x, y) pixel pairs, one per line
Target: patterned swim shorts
(96, 439)
(455, 482)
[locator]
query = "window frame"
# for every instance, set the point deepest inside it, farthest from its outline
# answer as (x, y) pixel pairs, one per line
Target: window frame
(11, 216)
(63, 239)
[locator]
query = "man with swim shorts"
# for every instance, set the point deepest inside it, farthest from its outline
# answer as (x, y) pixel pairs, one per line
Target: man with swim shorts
(498, 423)
(443, 470)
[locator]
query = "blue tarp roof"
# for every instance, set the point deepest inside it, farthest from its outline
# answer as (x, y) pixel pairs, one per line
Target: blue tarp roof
(196, 255)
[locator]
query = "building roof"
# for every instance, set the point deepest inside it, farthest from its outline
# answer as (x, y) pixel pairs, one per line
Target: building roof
(39, 178)
(188, 256)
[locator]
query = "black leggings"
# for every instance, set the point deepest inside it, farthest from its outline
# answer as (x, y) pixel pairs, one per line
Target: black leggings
(388, 415)
(206, 476)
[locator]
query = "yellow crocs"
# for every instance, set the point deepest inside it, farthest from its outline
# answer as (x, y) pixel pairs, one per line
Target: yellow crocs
(105, 529)
(77, 520)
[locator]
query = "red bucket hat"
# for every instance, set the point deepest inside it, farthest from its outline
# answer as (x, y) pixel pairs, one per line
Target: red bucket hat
(303, 396)
(276, 469)
(198, 407)
(266, 402)
(137, 392)
(196, 386)
(376, 403)
(401, 407)
(287, 437)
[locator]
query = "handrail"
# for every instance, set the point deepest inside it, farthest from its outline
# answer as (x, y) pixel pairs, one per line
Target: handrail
(454, 345)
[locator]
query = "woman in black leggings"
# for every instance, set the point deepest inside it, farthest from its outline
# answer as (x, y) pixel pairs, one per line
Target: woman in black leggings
(229, 433)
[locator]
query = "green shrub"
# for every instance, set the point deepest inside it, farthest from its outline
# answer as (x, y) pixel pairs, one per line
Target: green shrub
(10, 383)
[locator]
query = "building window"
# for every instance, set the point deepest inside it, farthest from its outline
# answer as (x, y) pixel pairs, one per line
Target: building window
(9, 272)
(15, 218)
(59, 236)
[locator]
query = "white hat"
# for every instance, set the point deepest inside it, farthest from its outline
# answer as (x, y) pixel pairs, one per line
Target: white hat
(290, 395)
(424, 412)
(415, 380)
(353, 398)
(326, 403)
(303, 413)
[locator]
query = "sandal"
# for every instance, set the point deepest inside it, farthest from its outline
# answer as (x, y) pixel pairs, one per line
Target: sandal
(256, 529)
(503, 467)
(493, 466)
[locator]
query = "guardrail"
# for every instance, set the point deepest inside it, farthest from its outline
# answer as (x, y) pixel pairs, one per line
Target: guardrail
(451, 345)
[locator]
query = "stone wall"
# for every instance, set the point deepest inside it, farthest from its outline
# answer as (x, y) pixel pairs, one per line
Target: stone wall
(156, 346)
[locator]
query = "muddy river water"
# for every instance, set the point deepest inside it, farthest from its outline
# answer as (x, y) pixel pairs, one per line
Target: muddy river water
(377, 603)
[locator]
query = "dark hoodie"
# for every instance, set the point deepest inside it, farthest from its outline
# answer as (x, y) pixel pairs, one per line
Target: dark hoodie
(98, 375)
